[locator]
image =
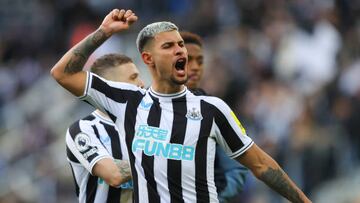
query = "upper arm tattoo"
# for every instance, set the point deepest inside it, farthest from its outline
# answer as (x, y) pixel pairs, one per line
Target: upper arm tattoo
(277, 180)
(83, 50)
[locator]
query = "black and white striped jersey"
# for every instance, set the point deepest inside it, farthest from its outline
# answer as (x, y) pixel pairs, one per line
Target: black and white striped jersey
(89, 140)
(171, 138)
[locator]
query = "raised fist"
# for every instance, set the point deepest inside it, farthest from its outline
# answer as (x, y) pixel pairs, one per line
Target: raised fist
(118, 20)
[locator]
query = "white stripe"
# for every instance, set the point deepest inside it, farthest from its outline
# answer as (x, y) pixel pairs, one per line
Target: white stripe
(141, 117)
(159, 161)
(210, 159)
(101, 193)
(191, 138)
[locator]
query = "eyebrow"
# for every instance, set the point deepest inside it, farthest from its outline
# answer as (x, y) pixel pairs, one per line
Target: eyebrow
(172, 42)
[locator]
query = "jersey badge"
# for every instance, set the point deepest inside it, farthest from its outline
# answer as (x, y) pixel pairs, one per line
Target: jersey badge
(82, 142)
(194, 114)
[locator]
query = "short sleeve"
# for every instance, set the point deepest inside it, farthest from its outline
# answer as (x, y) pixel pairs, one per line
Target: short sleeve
(85, 146)
(229, 132)
(107, 95)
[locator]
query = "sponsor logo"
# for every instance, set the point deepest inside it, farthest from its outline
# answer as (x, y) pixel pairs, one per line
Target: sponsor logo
(127, 185)
(194, 114)
(152, 141)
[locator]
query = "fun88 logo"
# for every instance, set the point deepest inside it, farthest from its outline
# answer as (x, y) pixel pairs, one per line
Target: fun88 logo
(152, 141)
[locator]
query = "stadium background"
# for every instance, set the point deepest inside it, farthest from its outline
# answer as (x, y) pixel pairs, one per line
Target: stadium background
(289, 69)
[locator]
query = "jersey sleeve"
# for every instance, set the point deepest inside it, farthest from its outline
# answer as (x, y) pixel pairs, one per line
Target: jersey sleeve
(229, 132)
(84, 146)
(106, 95)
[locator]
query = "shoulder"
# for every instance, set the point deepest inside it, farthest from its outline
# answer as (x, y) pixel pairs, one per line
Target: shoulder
(98, 82)
(215, 101)
(82, 125)
(198, 92)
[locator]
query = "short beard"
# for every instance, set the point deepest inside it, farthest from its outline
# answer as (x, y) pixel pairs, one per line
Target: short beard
(179, 82)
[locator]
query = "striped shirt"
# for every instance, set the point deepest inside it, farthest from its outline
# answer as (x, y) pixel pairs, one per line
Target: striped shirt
(171, 138)
(88, 141)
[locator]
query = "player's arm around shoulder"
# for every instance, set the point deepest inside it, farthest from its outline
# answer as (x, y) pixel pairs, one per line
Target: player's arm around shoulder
(267, 170)
(68, 70)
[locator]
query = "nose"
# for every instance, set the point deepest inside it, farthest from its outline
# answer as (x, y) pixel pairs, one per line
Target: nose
(193, 65)
(141, 83)
(179, 50)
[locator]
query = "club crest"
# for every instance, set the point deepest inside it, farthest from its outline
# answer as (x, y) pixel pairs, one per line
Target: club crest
(194, 114)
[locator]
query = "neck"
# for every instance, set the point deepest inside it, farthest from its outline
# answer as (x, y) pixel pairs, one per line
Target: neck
(166, 88)
(102, 113)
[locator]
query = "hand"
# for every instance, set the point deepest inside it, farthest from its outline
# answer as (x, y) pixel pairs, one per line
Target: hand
(118, 20)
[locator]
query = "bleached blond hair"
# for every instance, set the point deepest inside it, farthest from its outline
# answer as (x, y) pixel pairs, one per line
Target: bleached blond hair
(149, 31)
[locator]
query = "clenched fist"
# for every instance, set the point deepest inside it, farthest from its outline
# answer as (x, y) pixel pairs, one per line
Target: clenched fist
(118, 20)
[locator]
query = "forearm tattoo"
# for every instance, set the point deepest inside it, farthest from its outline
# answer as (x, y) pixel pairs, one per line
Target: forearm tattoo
(276, 179)
(82, 52)
(124, 168)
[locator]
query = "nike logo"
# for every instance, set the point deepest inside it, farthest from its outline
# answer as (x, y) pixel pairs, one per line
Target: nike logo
(144, 105)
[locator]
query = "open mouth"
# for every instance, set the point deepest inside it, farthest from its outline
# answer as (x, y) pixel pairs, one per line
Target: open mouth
(180, 64)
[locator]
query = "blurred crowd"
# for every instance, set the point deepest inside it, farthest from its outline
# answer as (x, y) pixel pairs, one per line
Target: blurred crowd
(290, 69)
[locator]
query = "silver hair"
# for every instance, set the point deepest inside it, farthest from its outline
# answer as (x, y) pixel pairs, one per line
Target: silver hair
(149, 31)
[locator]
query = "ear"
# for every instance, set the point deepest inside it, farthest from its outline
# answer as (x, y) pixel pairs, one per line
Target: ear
(147, 58)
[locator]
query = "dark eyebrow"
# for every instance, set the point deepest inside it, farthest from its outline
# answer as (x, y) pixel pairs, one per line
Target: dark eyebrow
(167, 43)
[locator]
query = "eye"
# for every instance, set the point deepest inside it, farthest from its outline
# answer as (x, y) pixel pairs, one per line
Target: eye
(181, 44)
(133, 76)
(166, 45)
(200, 60)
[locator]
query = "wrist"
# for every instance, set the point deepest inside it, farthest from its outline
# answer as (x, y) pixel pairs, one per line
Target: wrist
(106, 31)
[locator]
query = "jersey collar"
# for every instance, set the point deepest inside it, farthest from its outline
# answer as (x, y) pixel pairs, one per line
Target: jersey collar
(103, 118)
(172, 96)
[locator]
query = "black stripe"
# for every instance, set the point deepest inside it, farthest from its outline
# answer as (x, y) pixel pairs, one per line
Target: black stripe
(112, 117)
(91, 157)
(230, 136)
(114, 194)
(71, 156)
(201, 186)
(74, 129)
(89, 118)
(77, 190)
(147, 162)
(91, 188)
(129, 125)
(97, 135)
(177, 136)
(116, 94)
(115, 140)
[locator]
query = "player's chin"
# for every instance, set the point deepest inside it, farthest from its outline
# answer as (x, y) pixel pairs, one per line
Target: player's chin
(192, 82)
(179, 80)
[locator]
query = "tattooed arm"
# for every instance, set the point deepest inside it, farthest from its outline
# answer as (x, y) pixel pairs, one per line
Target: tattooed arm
(267, 170)
(113, 172)
(68, 70)
(124, 169)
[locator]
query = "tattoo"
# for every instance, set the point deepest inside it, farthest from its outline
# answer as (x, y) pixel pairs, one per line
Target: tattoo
(83, 50)
(276, 179)
(124, 168)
